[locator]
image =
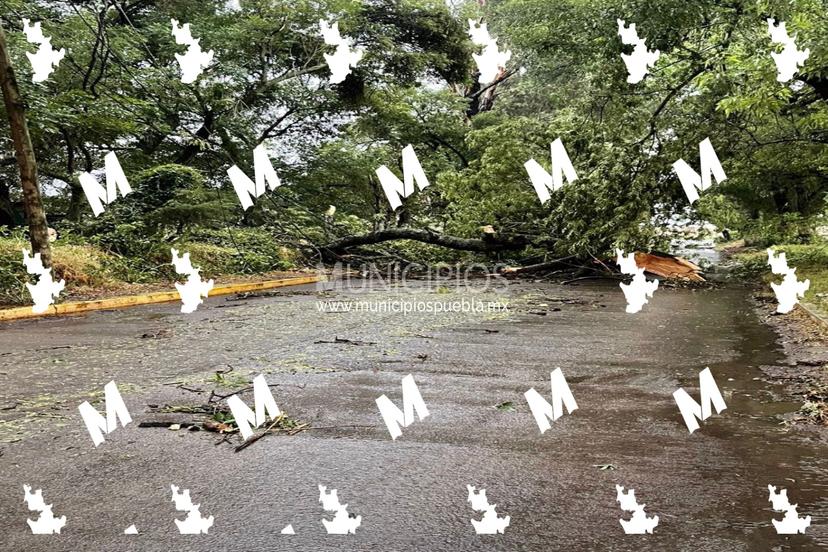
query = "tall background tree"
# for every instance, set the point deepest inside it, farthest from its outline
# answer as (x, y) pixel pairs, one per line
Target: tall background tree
(25, 156)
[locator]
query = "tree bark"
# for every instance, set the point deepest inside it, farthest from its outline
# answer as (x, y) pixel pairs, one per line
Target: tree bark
(484, 245)
(35, 215)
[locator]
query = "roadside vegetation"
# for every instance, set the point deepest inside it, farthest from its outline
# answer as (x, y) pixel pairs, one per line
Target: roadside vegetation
(810, 260)
(93, 269)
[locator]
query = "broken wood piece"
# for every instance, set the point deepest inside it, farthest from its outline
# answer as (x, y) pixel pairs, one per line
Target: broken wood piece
(669, 266)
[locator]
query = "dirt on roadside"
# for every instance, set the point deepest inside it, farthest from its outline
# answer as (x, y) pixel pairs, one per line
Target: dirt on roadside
(805, 376)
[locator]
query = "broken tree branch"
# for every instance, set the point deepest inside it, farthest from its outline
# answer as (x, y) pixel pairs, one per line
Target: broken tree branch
(488, 243)
(517, 270)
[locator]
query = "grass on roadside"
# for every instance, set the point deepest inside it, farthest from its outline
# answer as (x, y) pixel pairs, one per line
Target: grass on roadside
(92, 272)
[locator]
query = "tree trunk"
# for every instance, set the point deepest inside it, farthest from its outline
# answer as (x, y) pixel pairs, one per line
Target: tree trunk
(486, 244)
(36, 216)
(74, 211)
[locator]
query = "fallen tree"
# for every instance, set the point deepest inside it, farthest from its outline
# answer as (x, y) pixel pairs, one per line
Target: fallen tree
(528, 269)
(487, 244)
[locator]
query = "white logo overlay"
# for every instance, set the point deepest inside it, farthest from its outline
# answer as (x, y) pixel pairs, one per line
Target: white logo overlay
(710, 394)
(46, 59)
(561, 396)
(194, 289)
(693, 182)
(412, 172)
(639, 523)
(116, 181)
(342, 523)
(790, 290)
(636, 292)
(116, 410)
(412, 401)
(194, 60)
(263, 402)
(264, 172)
(791, 524)
(46, 523)
(46, 290)
(344, 57)
(641, 58)
(790, 58)
(561, 166)
(491, 62)
(194, 523)
(490, 524)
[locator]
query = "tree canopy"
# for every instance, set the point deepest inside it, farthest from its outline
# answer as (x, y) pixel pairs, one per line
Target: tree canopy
(119, 89)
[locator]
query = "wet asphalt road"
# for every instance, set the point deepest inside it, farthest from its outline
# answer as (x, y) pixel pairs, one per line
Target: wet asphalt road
(709, 488)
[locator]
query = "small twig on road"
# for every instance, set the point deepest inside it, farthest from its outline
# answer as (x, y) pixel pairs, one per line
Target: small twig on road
(348, 341)
(167, 424)
(225, 439)
(344, 426)
(218, 397)
(566, 282)
(278, 420)
(180, 385)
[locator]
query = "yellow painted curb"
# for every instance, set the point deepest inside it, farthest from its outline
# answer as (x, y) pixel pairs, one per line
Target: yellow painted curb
(149, 298)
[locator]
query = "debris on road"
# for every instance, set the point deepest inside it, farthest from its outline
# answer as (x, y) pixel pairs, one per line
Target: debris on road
(345, 340)
(217, 419)
(282, 423)
(158, 334)
(815, 409)
(506, 406)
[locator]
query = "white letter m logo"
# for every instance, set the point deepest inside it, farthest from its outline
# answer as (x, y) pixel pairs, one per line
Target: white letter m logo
(263, 401)
(412, 400)
(691, 181)
(561, 166)
(561, 396)
(264, 173)
(116, 181)
(412, 172)
(690, 409)
(96, 424)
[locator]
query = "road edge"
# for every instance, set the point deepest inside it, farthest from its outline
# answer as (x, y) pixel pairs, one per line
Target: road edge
(815, 314)
(77, 307)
